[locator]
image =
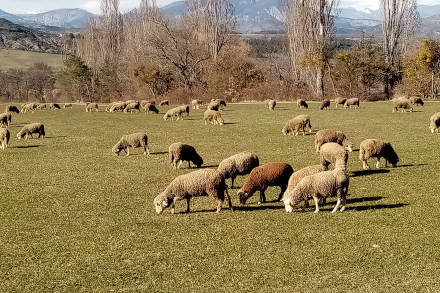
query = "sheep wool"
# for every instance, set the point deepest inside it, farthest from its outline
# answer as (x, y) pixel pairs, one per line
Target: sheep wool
(213, 117)
(134, 140)
(262, 177)
(377, 148)
(335, 154)
(92, 106)
(5, 136)
(132, 107)
(179, 152)
(434, 124)
(301, 103)
(239, 164)
(30, 129)
(206, 182)
(328, 135)
(402, 103)
(340, 101)
(325, 105)
(297, 124)
(351, 102)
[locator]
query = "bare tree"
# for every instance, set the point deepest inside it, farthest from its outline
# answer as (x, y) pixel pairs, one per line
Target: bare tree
(310, 29)
(400, 22)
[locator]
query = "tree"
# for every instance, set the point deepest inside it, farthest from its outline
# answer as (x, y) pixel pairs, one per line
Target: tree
(429, 56)
(159, 82)
(400, 20)
(76, 78)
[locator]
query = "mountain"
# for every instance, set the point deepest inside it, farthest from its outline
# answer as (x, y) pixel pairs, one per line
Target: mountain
(65, 18)
(14, 36)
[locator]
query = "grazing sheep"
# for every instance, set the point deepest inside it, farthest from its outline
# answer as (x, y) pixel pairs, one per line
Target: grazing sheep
(30, 129)
(164, 103)
(402, 103)
(179, 152)
(260, 178)
(213, 117)
(351, 102)
(28, 107)
(416, 101)
(67, 105)
(41, 106)
(5, 135)
(376, 148)
(320, 186)
(335, 154)
(207, 182)
(9, 115)
(434, 122)
(325, 105)
(150, 108)
(271, 104)
(117, 107)
(328, 135)
(130, 102)
(301, 103)
(92, 106)
(340, 101)
(134, 140)
(54, 106)
(132, 107)
(176, 112)
(196, 104)
(216, 104)
(109, 106)
(297, 124)
(239, 164)
(143, 103)
(12, 108)
(4, 119)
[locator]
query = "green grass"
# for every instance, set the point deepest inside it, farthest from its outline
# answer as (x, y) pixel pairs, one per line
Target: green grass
(18, 59)
(74, 217)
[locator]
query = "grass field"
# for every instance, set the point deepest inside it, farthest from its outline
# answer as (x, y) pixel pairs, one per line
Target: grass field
(74, 217)
(18, 59)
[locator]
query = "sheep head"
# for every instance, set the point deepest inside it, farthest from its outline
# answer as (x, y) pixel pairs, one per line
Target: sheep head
(117, 149)
(161, 202)
(243, 196)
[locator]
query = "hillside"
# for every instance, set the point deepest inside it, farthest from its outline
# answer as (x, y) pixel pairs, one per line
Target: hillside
(14, 36)
(19, 59)
(65, 18)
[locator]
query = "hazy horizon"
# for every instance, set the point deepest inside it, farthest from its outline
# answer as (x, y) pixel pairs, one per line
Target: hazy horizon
(32, 6)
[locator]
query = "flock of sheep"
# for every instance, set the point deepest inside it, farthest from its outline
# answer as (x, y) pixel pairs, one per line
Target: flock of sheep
(316, 182)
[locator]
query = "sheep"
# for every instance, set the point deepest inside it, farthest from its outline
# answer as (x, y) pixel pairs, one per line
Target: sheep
(271, 104)
(9, 115)
(299, 123)
(216, 104)
(176, 112)
(301, 103)
(340, 101)
(260, 178)
(134, 140)
(67, 105)
(12, 108)
(130, 102)
(376, 148)
(117, 107)
(402, 103)
(196, 104)
(239, 164)
(328, 135)
(4, 119)
(416, 101)
(351, 102)
(207, 182)
(179, 152)
(41, 106)
(30, 129)
(54, 106)
(213, 117)
(150, 108)
(164, 103)
(325, 105)
(320, 186)
(335, 154)
(5, 135)
(132, 107)
(109, 106)
(29, 107)
(92, 106)
(434, 122)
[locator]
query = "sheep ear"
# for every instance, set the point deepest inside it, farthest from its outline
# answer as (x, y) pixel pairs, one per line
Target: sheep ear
(165, 203)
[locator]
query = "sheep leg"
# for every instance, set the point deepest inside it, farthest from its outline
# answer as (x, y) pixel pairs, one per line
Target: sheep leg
(173, 204)
(262, 197)
(365, 165)
(148, 150)
(338, 204)
(179, 164)
(378, 164)
(219, 206)
(187, 204)
(316, 199)
(283, 189)
(128, 152)
(232, 182)
(228, 198)
(189, 164)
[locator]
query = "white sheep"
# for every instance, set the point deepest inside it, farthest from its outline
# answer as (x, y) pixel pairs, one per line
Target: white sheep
(30, 129)
(328, 135)
(297, 124)
(213, 117)
(179, 152)
(134, 140)
(239, 164)
(434, 124)
(196, 104)
(377, 148)
(402, 103)
(335, 154)
(5, 135)
(92, 106)
(352, 102)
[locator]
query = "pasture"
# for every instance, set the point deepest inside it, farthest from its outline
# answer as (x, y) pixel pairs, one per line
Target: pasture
(18, 59)
(75, 217)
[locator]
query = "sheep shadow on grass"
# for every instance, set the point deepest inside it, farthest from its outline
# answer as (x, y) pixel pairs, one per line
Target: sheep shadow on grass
(25, 146)
(230, 123)
(59, 136)
(204, 167)
(411, 165)
(158, 153)
(361, 173)
(378, 207)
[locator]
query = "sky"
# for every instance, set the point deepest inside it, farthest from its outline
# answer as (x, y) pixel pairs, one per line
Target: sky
(36, 6)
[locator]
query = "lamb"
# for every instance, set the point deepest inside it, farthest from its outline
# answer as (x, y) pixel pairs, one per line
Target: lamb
(54, 106)
(377, 148)
(150, 108)
(320, 186)
(179, 152)
(301, 103)
(207, 182)
(351, 102)
(239, 164)
(117, 107)
(402, 103)
(176, 112)
(12, 108)
(416, 101)
(335, 154)
(164, 103)
(299, 123)
(325, 105)
(434, 122)
(196, 104)
(30, 129)
(5, 135)
(4, 119)
(260, 178)
(340, 101)
(132, 107)
(134, 140)
(92, 106)
(328, 135)
(213, 117)
(271, 104)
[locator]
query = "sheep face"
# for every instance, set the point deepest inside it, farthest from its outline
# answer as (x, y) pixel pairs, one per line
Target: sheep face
(348, 145)
(166, 116)
(390, 155)
(243, 196)
(117, 149)
(284, 131)
(198, 161)
(21, 134)
(161, 203)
